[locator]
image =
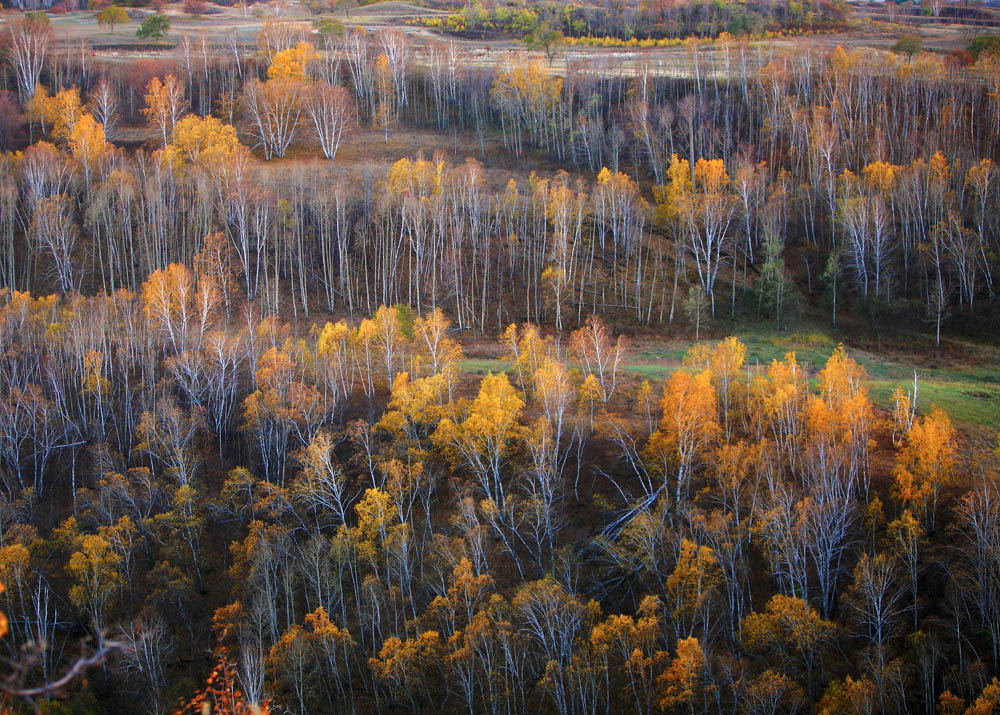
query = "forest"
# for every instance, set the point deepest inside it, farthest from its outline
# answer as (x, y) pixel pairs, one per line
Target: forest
(362, 369)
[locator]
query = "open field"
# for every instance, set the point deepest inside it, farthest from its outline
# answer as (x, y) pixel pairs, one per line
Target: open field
(229, 25)
(964, 381)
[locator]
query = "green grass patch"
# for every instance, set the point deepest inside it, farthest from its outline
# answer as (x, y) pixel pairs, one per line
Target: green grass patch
(484, 366)
(967, 387)
(967, 403)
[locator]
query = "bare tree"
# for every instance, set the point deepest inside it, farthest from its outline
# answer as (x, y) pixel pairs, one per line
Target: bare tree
(28, 42)
(103, 105)
(53, 230)
(331, 109)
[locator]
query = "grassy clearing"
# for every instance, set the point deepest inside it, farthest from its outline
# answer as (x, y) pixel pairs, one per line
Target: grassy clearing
(967, 387)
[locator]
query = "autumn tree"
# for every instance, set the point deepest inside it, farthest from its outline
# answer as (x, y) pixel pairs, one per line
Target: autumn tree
(688, 426)
(440, 354)
(691, 588)
(705, 208)
(925, 465)
(403, 667)
(275, 106)
(679, 684)
(791, 630)
(282, 408)
(179, 306)
(697, 306)
(165, 105)
(112, 15)
(552, 617)
(482, 440)
(95, 570)
(633, 648)
(58, 113)
(102, 104)
(725, 366)
(88, 146)
(202, 142)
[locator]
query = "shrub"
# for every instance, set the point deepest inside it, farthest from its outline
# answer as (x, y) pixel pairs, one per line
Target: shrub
(195, 7)
(987, 44)
(153, 27)
(908, 44)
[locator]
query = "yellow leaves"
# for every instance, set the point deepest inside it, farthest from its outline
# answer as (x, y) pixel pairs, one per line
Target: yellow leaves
(95, 568)
(950, 704)
(177, 304)
(293, 64)
(527, 349)
(206, 142)
(374, 515)
(332, 338)
(678, 684)
(165, 292)
(590, 390)
(843, 61)
(553, 388)
(14, 561)
(690, 418)
(60, 112)
(671, 197)
(528, 79)
(86, 141)
(164, 104)
(787, 623)
(420, 179)
(275, 369)
(412, 403)
(692, 582)
(842, 413)
(981, 174)
(382, 68)
(94, 381)
(725, 364)
(939, 168)
(495, 410)
(553, 276)
(988, 701)
(324, 628)
(926, 464)
(727, 359)
(481, 439)
(288, 651)
(710, 176)
(881, 176)
(398, 659)
(524, 87)
(467, 590)
(782, 391)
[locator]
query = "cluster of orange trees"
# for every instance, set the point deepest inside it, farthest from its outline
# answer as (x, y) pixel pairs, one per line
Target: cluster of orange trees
(352, 522)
